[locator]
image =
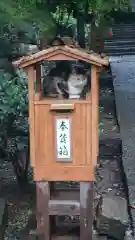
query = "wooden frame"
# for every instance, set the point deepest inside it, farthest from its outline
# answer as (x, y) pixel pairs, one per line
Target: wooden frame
(43, 111)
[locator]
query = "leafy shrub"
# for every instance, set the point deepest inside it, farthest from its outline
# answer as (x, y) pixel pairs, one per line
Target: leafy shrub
(14, 121)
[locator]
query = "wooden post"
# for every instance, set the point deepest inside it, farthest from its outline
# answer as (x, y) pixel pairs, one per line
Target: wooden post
(86, 210)
(31, 95)
(88, 96)
(43, 218)
(95, 114)
(38, 81)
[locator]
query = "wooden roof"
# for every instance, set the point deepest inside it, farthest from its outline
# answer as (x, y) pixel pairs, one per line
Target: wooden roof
(62, 53)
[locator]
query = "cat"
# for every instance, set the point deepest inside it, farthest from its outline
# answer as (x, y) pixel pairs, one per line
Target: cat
(77, 83)
(54, 83)
(71, 83)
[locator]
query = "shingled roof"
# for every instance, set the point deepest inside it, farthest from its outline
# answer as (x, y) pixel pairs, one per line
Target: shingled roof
(65, 52)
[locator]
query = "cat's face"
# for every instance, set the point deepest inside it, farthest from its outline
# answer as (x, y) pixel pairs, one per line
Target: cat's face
(77, 80)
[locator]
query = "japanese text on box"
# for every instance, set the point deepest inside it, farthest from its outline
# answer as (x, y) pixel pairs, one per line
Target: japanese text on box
(63, 138)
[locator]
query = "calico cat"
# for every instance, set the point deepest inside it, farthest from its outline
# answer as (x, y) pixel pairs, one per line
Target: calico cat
(77, 83)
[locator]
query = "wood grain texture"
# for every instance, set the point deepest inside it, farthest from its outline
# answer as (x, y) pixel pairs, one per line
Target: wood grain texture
(45, 144)
(45, 134)
(95, 112)
(31, 94)
(86, 210)
(64, 208)
(63, 173)
(43, 218)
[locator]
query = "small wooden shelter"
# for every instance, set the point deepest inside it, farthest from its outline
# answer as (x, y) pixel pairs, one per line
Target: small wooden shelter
(53, 121)
(80, 115)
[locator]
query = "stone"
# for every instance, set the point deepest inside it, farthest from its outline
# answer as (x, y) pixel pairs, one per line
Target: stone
(3, 217)
(112, 217)
(128, 235)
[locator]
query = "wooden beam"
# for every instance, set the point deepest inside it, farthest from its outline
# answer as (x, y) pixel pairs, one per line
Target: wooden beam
(64, 207)
(86, 210)
(38, 94)
(31, 95)
(38, 78)
(95, 113)
(64, 173)
(66, 194)
(43, 218)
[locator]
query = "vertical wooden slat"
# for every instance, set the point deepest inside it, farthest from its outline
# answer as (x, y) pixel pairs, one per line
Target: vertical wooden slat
(30, 72)
(88, 96)
(37, 134)
(38, 82)
(88, 135)
(43, 132)
(86, 210)
(95, 110)
(43, 218)
(38, 77)
(83, 132)
(97, 77)
(76, 146)
(49, 131)
(45, 126)
(89, 130)
(44, 135)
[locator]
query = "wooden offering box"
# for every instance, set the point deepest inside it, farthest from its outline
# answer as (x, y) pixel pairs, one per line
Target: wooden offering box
(63, 132)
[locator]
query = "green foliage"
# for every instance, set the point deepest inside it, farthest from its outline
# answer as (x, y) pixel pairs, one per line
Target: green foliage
(97, 6)
(24, 15)
(107, 6)
(62, 17)
(100, 8)
(38, 18)
(13, 113)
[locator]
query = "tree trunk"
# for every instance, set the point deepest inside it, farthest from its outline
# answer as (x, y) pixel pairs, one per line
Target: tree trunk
(97, 39)
(20, 162)
(81, 30)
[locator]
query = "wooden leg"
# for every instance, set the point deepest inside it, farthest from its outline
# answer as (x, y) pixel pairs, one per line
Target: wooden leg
(43, 219)
(86, 210)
